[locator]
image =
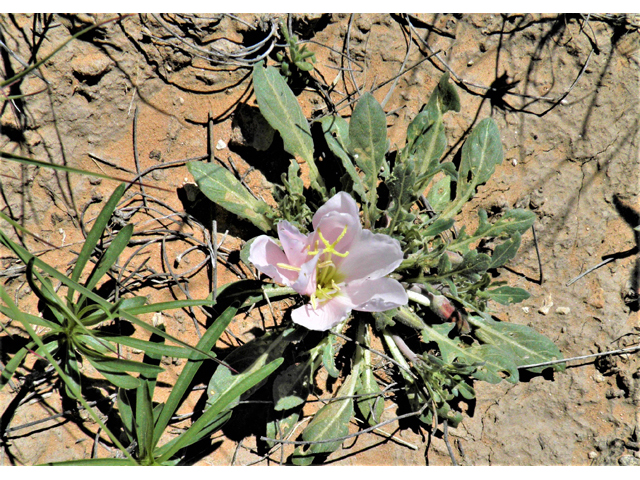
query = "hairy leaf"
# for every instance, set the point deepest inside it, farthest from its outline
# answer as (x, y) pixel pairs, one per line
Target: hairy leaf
(222, 188)
(481, 152)
(280, 108)
(505, 295)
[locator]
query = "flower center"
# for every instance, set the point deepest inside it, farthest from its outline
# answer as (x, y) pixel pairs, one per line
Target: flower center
(328, 278)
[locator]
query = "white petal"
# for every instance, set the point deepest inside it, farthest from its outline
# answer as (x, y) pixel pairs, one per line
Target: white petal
(376, 295)
(372, 255)
(265, 254)
(331, 226)
(293, 243)
(324, 317)
(342, 203)
(306, 281)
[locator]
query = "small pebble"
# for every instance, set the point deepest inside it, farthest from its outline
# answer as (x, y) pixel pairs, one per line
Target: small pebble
(220, 145)
(525, 309)
(593, 455)
(563, 310)
(599, 378)
(514, 162)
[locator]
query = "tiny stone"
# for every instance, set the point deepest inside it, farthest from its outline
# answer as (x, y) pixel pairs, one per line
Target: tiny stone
(514, 162)
(563, 310)
(599, 378)
(220, 145)
(629, 461)
(470, 63)
(525, 309)
(593, 455)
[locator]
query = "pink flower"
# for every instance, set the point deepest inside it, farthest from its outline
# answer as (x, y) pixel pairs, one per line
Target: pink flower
(341, 266)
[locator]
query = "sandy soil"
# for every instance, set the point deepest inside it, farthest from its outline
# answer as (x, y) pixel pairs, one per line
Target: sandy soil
(564, 91)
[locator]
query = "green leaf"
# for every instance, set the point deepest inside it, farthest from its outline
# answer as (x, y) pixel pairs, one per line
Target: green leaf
(368, 143)
(224, 400)
(248, 357)
(291, 387)
(481, 152)
(492, 365)
(95, 233)
(371, 406)
(336, 134)
(512, 222)
(328, 356)
(521, 343)
(439, 195)
(505, 295)
(505, 251)
(401, 192)
(331, 421)
(280, 108)
(182, 384)
(222, 188)
(281, 427)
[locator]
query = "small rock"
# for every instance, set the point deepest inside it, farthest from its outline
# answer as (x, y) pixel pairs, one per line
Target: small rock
(221, 145)
(525, 309)
(546, 306)
(563, 310)
(155, 155)
(599, 378)
(629, 461)
(92, 65)
(593, 455)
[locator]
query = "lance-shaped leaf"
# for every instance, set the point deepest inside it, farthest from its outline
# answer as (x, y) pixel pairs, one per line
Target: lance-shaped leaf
(481, 152)
(291, 387)
(280, 108)
(492, 364)
(336, 134)
(505, 251)
(439, 195)
(331, 421)
(505, 295)
(368, 143)
(513, 221)
(521, 343)
(401, 191)
(222, 188)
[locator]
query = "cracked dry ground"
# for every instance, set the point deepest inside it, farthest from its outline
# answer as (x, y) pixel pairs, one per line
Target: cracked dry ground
(564, 93)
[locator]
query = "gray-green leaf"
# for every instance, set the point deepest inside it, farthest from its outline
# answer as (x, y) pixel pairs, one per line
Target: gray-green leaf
(222, 188)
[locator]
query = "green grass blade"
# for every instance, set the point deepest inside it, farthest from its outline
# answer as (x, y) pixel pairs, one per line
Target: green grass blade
(244, 382)
(179, 390)
(17, 315)
(95, 233)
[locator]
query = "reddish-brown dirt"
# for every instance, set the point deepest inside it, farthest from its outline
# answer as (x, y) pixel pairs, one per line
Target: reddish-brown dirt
(564, 91)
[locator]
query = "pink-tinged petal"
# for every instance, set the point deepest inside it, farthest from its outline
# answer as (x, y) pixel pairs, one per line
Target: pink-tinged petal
(265, 254)
(341, 203)
(376, 295)
(306, 281)
(332, 225)
(372, 255)
(293, 243)
(324, 317)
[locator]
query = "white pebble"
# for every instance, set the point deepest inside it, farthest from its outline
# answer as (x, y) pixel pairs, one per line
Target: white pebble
(563, 310)
(220, 145)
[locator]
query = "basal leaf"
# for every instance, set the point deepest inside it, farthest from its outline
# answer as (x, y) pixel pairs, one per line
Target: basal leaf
(291, 387)
(439, 195)
(505, 251)
(280, 108)
(521, 343)
(368, 143)
(371, 405)
(336, 134)
(481, 152)
(331, 421)
(401, 191)
(222, 188)
(505, 295)
(492, 365)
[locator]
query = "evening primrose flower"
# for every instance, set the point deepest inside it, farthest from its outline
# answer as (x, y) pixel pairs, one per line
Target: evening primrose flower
(339, 265)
